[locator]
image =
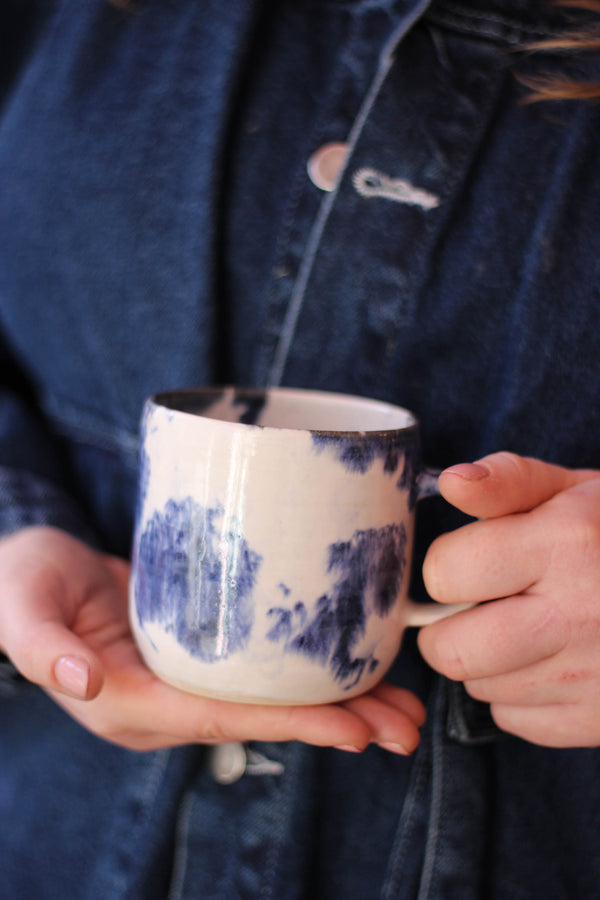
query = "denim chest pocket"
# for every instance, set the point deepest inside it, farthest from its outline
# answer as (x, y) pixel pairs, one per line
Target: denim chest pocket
(431, 225)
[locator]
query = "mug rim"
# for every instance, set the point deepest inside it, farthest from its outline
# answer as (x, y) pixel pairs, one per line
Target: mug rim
(160, 401)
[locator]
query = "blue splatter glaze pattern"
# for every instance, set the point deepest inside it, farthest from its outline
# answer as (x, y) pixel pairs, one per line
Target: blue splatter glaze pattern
(253, 402)
(186, 584)
(358, 452)
(370, 569)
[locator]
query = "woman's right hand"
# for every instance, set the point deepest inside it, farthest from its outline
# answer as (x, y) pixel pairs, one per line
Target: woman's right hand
(64, 625)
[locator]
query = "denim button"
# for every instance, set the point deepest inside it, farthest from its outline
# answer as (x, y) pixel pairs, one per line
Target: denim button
(325, 165)
(227, 762)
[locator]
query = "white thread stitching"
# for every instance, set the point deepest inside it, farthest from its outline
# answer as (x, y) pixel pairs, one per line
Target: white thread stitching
(371, 183)
(257, 764)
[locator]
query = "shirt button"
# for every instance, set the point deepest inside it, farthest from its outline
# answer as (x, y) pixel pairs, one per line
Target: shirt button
(227, 762)
(325, 165)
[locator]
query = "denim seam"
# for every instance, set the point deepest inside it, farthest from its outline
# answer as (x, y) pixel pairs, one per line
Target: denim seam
(400, 847)
(320, 134)
(119, 875)
(83, 428)
(437, 782)
(180, 853)
(547, 221)
(36, 510)
(487, 25)
(152, 783)
(306, 266)
(359, 6)
(283, 811)
(437, 224)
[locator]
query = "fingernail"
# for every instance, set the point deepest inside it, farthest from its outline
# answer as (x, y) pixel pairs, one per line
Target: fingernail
(349, 748)
(73, 674)
(467, 471)
(394, 748)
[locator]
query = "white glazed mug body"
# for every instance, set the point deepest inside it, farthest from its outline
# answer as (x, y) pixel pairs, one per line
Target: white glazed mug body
(273, 542)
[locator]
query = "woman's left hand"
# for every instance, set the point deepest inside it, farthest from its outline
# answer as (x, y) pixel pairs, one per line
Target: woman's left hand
(534, 652)
(64, 624)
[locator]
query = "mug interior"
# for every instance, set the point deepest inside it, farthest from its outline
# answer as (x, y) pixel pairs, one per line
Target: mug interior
(289, 408)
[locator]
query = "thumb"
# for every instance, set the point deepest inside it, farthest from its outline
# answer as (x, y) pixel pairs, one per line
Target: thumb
(504, 483)
(44, 650)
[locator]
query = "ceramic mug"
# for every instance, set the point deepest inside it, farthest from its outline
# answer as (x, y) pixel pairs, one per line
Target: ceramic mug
(273, 541)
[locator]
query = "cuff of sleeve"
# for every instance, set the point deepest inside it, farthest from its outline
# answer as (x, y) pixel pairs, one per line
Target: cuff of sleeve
(26, 499)
(11, 679)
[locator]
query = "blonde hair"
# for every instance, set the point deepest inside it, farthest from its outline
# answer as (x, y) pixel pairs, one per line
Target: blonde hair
(571, 43)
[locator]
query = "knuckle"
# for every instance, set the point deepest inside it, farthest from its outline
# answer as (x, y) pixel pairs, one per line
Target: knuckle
(455, 667)
(442, 652)
(515, 465)
(476, 688)
(584, 532)
(501, 715)
(577, 532)
(549, 629)
(518, 463)
(211, 731)
(434, 576)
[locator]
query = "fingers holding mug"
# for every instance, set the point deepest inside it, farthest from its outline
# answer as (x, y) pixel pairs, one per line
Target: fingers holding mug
(273, 542)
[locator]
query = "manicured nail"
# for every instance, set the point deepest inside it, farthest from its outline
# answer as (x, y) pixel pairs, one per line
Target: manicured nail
(468, 471)
(73, 674)
(394, 748)
(348, 748)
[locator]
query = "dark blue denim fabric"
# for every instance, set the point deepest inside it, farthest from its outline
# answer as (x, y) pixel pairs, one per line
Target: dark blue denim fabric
(158, 230)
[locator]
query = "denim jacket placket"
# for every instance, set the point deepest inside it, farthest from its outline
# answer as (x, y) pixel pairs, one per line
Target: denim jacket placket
(443, 786)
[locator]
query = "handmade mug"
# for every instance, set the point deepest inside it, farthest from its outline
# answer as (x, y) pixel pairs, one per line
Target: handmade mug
(273, 541)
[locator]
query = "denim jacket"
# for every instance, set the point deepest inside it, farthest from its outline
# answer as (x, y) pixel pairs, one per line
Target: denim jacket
(158, 229)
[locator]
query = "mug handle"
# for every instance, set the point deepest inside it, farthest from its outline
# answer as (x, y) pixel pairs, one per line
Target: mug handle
(419, 614)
